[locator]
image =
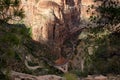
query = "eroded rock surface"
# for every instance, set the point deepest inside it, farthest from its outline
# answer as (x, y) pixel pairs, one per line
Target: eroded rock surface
(53, 21)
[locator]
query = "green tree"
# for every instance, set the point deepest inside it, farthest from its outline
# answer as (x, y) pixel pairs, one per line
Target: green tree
(109, 14)
(9, 9)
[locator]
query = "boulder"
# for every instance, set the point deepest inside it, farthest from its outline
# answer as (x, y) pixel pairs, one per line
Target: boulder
(100, 77)
(50, 77)
(89, 78)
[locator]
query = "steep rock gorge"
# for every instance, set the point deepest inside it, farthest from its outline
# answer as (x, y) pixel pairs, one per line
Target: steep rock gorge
(54, 21)
(55, 24)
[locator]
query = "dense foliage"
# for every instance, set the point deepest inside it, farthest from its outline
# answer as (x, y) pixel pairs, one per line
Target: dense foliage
(15, 44)
(99, 49)
(12, 47)
(9, 9)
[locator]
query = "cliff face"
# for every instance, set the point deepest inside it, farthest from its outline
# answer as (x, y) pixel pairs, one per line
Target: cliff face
(52, 21)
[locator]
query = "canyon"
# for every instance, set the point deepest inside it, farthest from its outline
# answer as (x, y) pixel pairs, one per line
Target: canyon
(60, 15)
(54, 21)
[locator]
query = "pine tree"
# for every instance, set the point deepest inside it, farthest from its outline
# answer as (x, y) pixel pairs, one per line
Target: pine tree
(9, 9)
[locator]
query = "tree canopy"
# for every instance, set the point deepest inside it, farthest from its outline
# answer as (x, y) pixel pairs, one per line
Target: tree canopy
(9, 9)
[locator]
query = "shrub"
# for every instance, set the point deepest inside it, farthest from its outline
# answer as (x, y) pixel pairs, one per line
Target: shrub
(70, 76)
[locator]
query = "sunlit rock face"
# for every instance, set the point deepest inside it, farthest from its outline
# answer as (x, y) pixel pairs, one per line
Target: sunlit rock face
(51, 20)
(28, 7)
(59, 2)
(43, 17)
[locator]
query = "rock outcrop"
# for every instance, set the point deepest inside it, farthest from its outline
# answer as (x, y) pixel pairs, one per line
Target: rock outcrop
(50, 20)
(22, 76)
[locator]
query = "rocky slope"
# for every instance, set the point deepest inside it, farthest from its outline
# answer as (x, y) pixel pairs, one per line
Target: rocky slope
(55, 26)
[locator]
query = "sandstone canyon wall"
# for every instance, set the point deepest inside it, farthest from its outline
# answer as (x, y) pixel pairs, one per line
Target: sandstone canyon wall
(45, 15)
(53, 20)
(65, 13)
